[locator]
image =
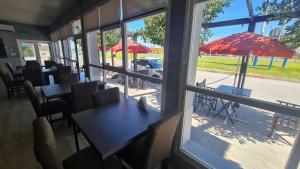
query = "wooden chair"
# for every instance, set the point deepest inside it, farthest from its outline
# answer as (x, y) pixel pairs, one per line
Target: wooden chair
(32, 64)
(81, 95)
(288, 121)
(67, 78)
(154, 148)
(45, 150)
(107, 96)
(16, 74)
(35, 76)
(12, 85)
(49, 63)
(45, 108)
(61, 70)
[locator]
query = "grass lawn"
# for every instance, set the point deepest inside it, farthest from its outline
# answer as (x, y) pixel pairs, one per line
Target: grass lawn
(228, 64)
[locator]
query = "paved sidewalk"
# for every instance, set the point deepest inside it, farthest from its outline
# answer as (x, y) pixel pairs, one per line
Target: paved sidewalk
(264, 89)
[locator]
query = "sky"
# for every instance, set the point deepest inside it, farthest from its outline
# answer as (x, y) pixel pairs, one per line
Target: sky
(237, 9)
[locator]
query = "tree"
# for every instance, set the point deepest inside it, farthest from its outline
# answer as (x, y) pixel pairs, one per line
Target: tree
(154, 31)
(112, 37)
(283, 11)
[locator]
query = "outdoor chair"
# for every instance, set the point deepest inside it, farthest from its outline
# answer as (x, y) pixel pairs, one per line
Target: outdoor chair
(81, 95)
(67, 78)
(107, 96)
(153, 149)
(288, 121)
(12, 70)
(12, 85)
(45, 151)
(204, 99)
(49, 63)
(45, 108)
(35, 76)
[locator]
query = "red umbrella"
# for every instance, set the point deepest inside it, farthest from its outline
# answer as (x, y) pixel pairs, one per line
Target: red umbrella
(133, 47)
(248, 43)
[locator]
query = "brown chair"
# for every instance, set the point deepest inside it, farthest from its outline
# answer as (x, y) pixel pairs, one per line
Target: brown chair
(154, 148)
(67, 78)
(12, 85)
(107, 96)
(45, 150)
(49, 63)
(35, 76)
(61, 70)
(81, 95)
(45, 108)
(16, 74)
(32, 64)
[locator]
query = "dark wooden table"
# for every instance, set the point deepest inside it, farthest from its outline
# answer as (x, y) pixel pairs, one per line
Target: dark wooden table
(112, 127)
(59, 90)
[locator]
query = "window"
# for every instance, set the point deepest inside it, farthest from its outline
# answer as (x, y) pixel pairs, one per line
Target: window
(224, 127)
(113, 47)
(145, 45)
(94, 52)
(76, 27)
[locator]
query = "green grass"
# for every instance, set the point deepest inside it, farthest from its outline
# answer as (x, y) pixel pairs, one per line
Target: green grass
(228, 64)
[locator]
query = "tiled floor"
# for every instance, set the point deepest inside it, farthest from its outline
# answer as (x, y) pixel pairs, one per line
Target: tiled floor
(16, 143)
(16, 140)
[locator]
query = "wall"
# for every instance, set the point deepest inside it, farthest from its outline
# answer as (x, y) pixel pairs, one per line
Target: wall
(22, 31)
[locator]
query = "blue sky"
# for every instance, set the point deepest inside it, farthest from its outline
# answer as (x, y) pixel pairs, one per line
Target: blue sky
(237, 9)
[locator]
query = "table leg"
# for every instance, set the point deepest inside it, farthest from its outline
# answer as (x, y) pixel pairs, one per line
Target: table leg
(75, 136)
(224, 107)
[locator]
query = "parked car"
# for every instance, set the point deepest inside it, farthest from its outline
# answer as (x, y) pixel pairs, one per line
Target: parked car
(150, 66)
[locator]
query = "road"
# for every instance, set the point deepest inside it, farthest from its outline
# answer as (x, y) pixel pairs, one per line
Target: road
(263, 89)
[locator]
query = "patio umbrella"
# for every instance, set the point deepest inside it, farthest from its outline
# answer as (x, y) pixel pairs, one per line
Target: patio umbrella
(245, 44)
(133, 47)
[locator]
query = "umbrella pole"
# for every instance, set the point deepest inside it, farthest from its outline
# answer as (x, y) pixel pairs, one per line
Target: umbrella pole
(245, 71)
(236, 71)
(241, 72)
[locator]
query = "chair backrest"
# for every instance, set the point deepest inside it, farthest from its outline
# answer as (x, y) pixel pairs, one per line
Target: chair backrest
(61, 70)
(35, 76)
(82, 95)
(44, 146)
(201, 84)
(159, 140)
(64, 69)
(49, 63)
(67, 78)
(33, 97)
(6, 76)
(10, 67)
(107, 96)
(32, 64)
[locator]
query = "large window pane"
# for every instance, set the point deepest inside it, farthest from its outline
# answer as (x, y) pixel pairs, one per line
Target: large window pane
(138, 88)
(221, 129)
(146, 45)
(112, 38)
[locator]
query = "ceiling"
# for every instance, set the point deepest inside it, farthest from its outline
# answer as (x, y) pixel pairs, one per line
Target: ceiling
(34, 12)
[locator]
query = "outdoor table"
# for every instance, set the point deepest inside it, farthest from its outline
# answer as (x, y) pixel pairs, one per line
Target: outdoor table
(229, 104)
(112, 127)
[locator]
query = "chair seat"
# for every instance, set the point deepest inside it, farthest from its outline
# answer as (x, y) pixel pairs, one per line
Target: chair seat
(53, 106)
(134, 154)
(88, 158)
(16, 83)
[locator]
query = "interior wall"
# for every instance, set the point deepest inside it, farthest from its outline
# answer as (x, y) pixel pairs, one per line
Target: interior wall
(24, 32)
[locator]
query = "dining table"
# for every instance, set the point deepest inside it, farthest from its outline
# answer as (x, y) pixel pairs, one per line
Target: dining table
(112, 127)
(60, 90)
